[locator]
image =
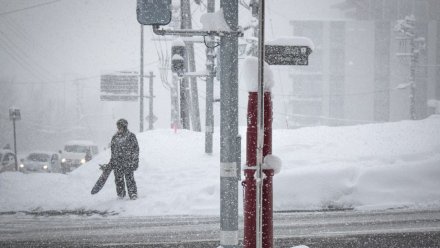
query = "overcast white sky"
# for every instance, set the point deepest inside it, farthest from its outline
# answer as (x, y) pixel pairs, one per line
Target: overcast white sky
(59, 41)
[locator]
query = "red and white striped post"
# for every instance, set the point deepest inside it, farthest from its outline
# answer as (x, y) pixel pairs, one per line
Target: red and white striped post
(249, 182)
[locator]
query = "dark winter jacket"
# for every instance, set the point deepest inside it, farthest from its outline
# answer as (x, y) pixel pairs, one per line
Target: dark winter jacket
(125, 151)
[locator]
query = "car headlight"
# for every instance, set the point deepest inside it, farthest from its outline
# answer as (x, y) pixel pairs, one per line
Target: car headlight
(45, 167)
(83, 161)
(63, 160)
(21, 165)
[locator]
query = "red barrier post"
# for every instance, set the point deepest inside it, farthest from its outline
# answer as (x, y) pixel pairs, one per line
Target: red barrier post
(267, 182)
(249, 183)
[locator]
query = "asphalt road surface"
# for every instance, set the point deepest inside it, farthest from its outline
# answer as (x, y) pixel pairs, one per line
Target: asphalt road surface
(391, 228)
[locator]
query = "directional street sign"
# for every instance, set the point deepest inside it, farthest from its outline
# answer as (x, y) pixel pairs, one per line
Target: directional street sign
(287, 55)
(120, 86)
(14, 114)
(120, 83)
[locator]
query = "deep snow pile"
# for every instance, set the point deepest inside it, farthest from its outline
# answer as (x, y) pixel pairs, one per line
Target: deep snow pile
(364, 167)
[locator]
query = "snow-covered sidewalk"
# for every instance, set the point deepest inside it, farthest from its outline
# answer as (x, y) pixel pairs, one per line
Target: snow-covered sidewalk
(375, 166)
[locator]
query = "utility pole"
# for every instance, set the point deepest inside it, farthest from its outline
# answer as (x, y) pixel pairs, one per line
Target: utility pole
(14, 115)
(151, 117)
(192, 99)
(141, 82)
(195, 111)
(412, 80)
(194, 107)
(229, 140)
(407, 28)
(230, 147)
(184, 85)
(210, 68)
(174, 91)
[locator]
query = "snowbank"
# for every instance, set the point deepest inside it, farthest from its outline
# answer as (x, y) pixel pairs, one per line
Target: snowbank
(249, 74)
(371, 166)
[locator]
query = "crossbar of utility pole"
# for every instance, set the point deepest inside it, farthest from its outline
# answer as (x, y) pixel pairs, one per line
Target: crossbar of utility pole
(190, 32)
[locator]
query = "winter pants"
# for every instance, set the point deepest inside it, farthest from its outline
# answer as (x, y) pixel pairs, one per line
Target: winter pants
(120, 183)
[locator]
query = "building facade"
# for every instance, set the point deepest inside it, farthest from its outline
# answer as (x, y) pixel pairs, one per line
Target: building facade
(360, 68)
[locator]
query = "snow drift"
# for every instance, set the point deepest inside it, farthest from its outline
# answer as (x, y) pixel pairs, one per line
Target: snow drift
(375, 166)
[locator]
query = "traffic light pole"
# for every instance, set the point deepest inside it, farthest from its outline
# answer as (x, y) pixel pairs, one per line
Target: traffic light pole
(15, 145)
(141, 82)
(229, 147)
(151, 100)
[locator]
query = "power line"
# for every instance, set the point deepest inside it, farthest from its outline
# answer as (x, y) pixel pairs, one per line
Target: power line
(26, 57)
(84, 78)
(20, 60)
(27, 8)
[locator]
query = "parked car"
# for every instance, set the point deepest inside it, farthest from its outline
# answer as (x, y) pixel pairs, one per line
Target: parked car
(77, 153)
(7, 160)
(41, 162)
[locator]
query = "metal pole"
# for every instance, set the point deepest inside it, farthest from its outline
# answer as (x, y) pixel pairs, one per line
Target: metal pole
(249, 184)
(184, 82)
(229, 167)
(151, 114)
(174, 103)
(141, 81)
(15, 145)
(260, 127)
(190, 64)
(267, 188)
(195, 111)
(412, 80)
(210, 61)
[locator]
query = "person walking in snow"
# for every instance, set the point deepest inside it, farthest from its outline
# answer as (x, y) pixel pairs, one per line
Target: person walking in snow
(124, 159)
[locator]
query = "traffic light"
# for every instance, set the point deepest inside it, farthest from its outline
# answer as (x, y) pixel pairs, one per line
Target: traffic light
(178, 53)
(153, 12)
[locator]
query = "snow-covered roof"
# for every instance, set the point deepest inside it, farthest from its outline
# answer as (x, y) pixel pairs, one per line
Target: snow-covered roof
(42, 152)
(177, 57)
(178, 42)
(292, 41)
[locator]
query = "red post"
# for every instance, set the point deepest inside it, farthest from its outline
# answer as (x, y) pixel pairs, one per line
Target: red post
(267, 182)
(249, 182)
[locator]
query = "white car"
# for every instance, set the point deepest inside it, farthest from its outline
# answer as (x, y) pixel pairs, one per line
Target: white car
(41, 162)
(7, 160)
(77, 153)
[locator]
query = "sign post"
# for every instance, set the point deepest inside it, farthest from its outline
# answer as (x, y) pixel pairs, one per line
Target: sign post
(14, 115)
(124, 86)
(258, 194)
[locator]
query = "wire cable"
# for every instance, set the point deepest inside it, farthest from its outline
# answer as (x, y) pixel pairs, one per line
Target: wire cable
(27, 8)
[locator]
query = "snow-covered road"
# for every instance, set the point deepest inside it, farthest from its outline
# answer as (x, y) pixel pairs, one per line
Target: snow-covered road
(180, 231)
